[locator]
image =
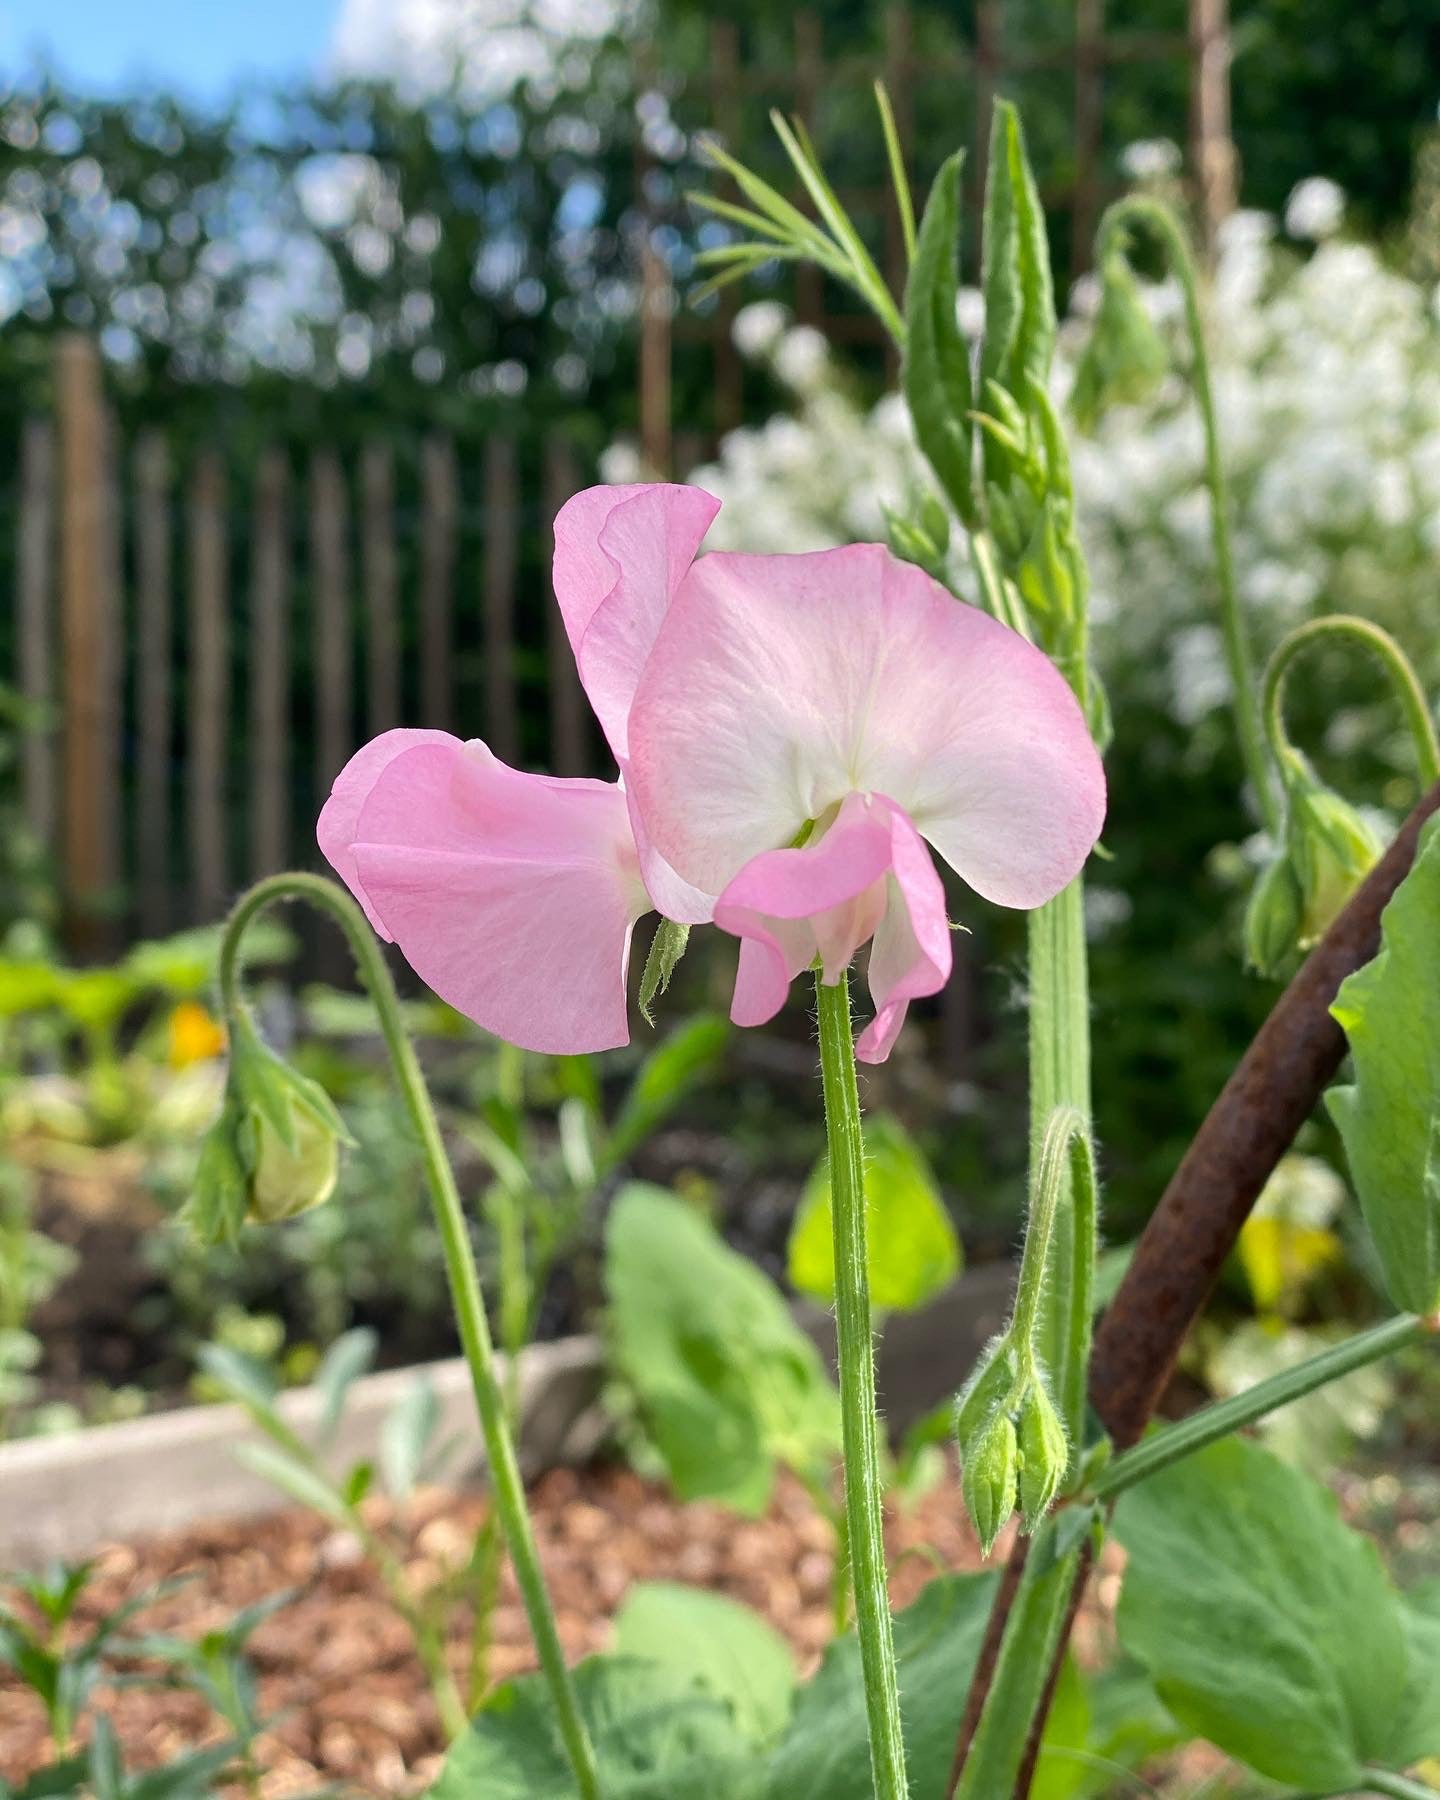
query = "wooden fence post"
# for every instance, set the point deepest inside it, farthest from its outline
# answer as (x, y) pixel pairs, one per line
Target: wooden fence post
(88, 600)
(567, 703)
(209, 697)
(1089, 110)
(439, 517)
(330, 601)
(502, 501)
(1212, 149)
(377, 529)
(270, 683)
(725, 91)
(154, 676)
(35, 651)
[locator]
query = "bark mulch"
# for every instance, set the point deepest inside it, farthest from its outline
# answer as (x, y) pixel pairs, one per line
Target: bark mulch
(336, 1668)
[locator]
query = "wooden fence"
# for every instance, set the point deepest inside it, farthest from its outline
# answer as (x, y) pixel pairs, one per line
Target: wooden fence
(160, 603)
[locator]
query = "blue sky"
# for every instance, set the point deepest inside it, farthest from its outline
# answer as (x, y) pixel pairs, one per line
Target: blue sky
(200, 47)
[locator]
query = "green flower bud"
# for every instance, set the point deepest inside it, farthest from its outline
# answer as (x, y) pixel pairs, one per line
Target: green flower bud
(985, 1393)
(1332, 850)
(1272, 917)
(1126, 357)
(988, 1483)
(1044, 1454)
(273, 1153)
(923, 539)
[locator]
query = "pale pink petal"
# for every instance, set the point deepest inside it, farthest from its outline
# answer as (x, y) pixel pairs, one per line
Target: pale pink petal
(777, 685)
(335, 829)
(513, 896)
(671, 895)
(911, 954)
(790, 906)
(620, 554)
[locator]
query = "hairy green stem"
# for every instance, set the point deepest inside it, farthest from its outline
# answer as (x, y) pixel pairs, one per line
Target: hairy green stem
(1210, 1423)
(1398, 667)
(469, 1303)
(860, 1426)
(1155, 216)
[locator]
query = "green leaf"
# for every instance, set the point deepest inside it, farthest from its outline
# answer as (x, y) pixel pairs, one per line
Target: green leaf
(1420, 1735)
(913, 1250)
(242, 1377)
(1266, 1624)
(292, 1477)
(728, 1384)
(823, 1755)
(405, 1434)
(1019, 293)
(1100, 1726)
(65, 1777)
(1390, 1117)
(664, 1078)
(349, 1357)
(107, 1773)
(725, 1647)
(936, 373)
(656, 1735)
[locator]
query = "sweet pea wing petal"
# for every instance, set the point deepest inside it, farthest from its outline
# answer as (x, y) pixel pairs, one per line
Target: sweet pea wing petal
(512, 895)
(335, 829)
(779, 684)
(620, 554)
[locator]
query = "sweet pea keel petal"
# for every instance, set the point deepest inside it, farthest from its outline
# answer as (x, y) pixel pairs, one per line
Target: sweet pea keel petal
(778, 685)
(512, 895)
(866, 875)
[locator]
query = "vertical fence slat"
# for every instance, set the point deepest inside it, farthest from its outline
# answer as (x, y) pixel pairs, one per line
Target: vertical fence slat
(270, 666)
(439, 514)
(568, 750)
(377, 487)
(502, 522)
(657, 304)
(1212, 149)
(154, 660)
(1089, 104)
(334, 640)
(35, 651)
(208, 705)
(88, 598)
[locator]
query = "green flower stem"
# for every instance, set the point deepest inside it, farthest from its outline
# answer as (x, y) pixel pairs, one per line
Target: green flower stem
(1155, 216)
(1401, 1787)
(1211, 1423)
(860, 1426)
(1408, 691)
(509, 1488)
(1047, 1179)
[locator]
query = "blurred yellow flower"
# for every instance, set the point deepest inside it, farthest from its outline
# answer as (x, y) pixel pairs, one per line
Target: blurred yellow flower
(195, 1035)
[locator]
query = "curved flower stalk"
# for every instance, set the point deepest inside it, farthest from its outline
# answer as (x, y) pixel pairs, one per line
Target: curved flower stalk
(794, 735)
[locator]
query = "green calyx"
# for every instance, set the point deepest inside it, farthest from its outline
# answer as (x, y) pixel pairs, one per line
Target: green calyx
(1331, 848)
(1125, 359)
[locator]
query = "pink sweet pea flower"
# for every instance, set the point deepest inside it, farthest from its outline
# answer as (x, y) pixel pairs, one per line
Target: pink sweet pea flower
(790, 731)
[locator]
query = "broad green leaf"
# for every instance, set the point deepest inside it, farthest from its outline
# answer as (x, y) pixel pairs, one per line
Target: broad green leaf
(664, 1078)
(1101, 1727)
(937, 380)
(728, 1649)
(728, 1384)
(913, 1250)
(657, 1736)
(1420, 1736)
(1390, 1117)
(823, 1755)
(1267, 1625)
(292, 1477)
(405, 1434)
(1019, 294)
(349, 1357)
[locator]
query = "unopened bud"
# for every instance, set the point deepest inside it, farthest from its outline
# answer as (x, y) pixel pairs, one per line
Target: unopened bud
(1044, 1454)
(985, 1393)
(1332, 850)
(988, 1483)
(1126, 358)
(1272, 917)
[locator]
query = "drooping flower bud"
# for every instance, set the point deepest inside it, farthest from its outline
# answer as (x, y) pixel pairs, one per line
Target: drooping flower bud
(1332, 849)
(1126, 357)
(1272, 917)
(988, 1483)
(985, 1393)
(1044, 1454)
(274, 1152)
